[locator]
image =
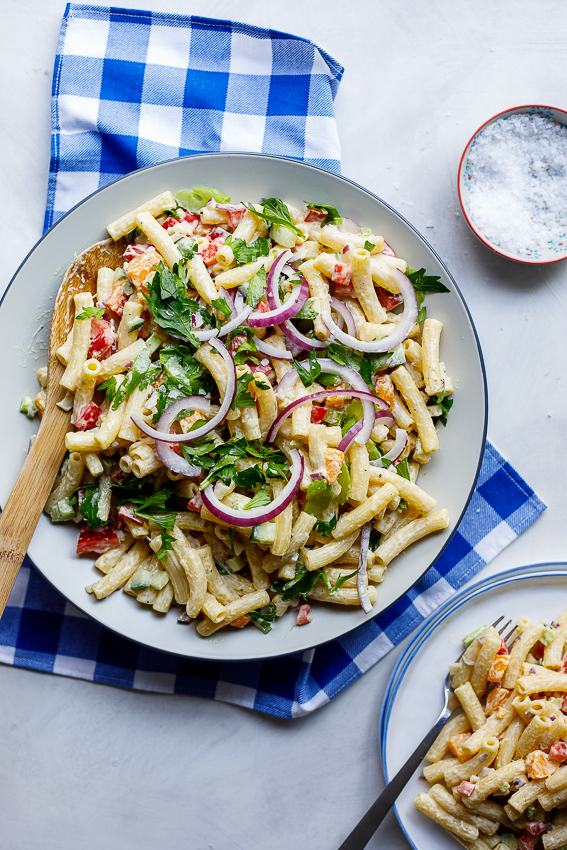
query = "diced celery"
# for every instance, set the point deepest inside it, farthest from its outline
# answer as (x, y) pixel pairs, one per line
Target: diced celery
(63, 511)
(28, 407)
(558, 701)
(119, 274)
(135, 324)
(333, 417)
(159, 580)
(196, 198)
(154, 342)
(530, 812)
(265, 534)
(509, 840)
(373, 451)
(547, 636)
(355, 409)
(318, 497)
(141, 579)
(234, 564)
(468, 639)
(343, 479)
(504, 788)
(398, 357)
(284, 236)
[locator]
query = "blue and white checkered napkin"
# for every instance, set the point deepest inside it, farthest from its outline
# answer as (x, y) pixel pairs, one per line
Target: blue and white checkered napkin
(124, 97)
(134, 88)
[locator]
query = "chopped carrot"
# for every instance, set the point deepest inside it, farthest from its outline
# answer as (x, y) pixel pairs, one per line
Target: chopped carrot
(496, 700)
(539, 765)
(241, 621)
(498, 668)
(455, 745)
(334, 401)
(385, 389)
(141, 266)
(117, 300)
(333, 463)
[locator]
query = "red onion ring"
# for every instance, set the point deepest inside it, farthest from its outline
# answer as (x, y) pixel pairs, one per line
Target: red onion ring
(273, 297)
(343, 311)
(366, 397)
(350, 435)
(361, 582)
(349, 226)
(158, 434)
(175, 462)
(271, 350)
(385, 417)
(350, 376)
(288, 310)
(397, 449)
(408, 320)
(166, 452)
(257, 516)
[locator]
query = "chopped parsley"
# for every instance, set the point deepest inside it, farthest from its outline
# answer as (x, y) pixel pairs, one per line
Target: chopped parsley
(91, 313)
(333, 215)
(445, 404)
(244, 253)
(308, 370)
(256, 287)
(275, 211)
(263, 618)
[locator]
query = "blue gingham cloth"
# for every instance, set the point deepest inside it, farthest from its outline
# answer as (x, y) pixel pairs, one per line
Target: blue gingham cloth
(111, 65)
(134, 88)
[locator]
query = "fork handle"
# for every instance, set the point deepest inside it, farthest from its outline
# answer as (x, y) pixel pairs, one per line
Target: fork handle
(369, 823)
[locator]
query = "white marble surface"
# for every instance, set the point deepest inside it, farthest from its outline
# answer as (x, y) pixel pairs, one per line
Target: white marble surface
(89, 766)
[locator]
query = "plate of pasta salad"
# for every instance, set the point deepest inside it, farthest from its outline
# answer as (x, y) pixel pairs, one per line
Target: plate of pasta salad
(495, 776)
(277, 406)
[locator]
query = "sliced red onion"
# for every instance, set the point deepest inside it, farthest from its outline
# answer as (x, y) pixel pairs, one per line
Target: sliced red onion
(385, 417)
(349, 226)
(289, 271)
(346, 249)
(238, 301)
(229, 207)
(397, 449)
(238, 320)
(368, 400)
(274, 302)
(288, 310)
(350, 376)
(361, 581)
(299, 254)
(271, 350)
(407, 321)
(169, 415)
(257, 516)
(343, 311)
(350, 435)
(175, 462)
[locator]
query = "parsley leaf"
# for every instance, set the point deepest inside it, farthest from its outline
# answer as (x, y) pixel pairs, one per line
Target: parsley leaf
(244, 253)
(332, 588)
(370, 365)
(308, 375)
(250, 477)
(256, 287)
(110, 387)
(445, 404)
(187, 247)
(91, 313)
(247, 350)
(90, 505)
(307, 311)
(221, 305)
(141, 374)
(243, 397)
(333, 215)
(344, 356)
(261, 498)
(263, 619)
(424, 282)
(328, 380)
(170, 305)
(325, 528)
(300, 585)
(275, 211)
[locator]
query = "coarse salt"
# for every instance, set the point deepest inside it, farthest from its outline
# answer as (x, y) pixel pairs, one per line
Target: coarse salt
(516, 178)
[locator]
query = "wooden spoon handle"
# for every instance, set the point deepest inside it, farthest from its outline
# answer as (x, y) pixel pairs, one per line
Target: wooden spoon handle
(25, 504)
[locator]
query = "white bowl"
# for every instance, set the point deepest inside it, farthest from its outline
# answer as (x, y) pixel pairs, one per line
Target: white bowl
(24, 324)
(556, 249)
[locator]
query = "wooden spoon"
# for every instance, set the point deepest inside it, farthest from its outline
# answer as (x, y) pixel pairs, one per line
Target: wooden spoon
(25, 504)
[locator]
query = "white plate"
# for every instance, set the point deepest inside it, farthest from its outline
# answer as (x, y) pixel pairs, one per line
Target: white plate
(24, 325)
(414, 697)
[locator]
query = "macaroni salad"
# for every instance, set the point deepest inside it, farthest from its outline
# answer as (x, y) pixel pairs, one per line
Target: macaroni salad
(254, 391)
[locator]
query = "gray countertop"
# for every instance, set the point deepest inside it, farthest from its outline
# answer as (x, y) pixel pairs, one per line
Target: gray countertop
(89, 766)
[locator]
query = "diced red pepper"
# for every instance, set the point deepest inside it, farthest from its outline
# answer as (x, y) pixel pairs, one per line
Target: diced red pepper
(535, 827)
(135, 249)
(342, 291)
(503, 649)
(102, 339)
(209, 252)
(195, 503)
(117, 300)
(538, 651)
(564, 664)
(87, 416)
(264, 366)
(465, 789)
(317, 414)
(304, 615)
(527, 842)
(234, 217)
(169, 222)
(191, 217)
(388, 250)
(128, 512)
(388, 300)
(261, 307)
(217, 233)
(341, 275)
(98, 540)
(316, 215)
(118, 474)
(558, 751)
(237, 342)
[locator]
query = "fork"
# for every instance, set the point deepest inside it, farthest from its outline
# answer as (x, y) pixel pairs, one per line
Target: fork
(369, 823)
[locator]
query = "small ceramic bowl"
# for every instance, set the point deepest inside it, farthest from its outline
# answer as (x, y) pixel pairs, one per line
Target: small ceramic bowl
(556, 248)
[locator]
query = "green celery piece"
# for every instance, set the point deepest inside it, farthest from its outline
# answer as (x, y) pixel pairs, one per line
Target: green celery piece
(196, 198)
(28, 407)
(318, 497)
(63, 511)
(373, 453)
(468, 639)
(344, 480)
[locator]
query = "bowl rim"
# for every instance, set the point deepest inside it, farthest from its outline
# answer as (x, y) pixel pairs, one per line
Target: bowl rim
(462, 164)
(455, 526)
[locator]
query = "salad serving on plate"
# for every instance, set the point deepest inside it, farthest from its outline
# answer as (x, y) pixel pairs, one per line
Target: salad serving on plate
(254, 392)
